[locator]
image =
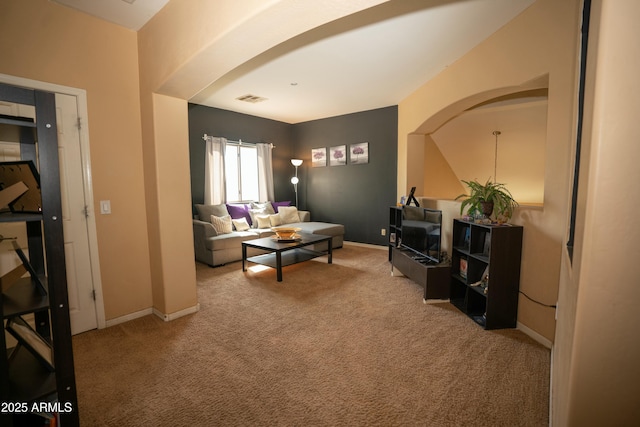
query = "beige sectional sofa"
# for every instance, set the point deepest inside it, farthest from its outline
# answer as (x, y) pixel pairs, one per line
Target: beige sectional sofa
(219, 230)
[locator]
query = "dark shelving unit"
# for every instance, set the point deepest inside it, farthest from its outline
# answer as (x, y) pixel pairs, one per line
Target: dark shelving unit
(24, 379)
(395, 229)
(480, 251)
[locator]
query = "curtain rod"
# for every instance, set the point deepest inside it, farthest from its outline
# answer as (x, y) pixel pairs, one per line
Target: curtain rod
(241, 142)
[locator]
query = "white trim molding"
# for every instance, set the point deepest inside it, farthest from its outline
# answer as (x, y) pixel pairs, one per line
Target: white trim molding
(128, 317)
(533, 334)
(172, 316)
(154, 311)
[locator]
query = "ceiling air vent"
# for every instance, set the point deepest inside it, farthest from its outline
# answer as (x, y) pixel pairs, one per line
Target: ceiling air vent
(251, 98)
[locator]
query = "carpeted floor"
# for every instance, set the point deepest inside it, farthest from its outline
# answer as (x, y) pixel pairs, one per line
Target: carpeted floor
(332, 345)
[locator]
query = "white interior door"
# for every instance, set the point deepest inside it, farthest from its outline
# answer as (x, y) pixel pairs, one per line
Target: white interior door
(75, 212)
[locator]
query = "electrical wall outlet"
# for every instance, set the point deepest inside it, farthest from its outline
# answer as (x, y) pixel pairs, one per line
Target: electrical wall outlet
(383, 232)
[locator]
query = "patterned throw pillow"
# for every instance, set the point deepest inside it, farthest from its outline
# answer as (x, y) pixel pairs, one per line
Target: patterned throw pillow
(222, 224)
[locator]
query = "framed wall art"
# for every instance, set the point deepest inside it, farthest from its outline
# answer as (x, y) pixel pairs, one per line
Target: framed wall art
(318, 157)
(338, 155)
(359, 153)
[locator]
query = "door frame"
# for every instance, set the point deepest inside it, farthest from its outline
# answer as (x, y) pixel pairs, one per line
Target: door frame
(81, 97)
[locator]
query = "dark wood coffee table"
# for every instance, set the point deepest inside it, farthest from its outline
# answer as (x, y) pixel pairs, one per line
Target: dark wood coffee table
(285, 253)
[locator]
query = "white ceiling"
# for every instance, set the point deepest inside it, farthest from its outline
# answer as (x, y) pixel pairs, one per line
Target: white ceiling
(360, 63)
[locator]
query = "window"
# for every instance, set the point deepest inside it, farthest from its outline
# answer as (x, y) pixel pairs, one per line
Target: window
(241, 172)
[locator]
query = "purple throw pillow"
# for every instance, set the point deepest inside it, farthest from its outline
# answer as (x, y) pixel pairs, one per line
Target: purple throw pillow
(238, 211)
(276, 205)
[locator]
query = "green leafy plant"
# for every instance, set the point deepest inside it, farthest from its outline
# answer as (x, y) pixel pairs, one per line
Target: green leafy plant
(491, 193)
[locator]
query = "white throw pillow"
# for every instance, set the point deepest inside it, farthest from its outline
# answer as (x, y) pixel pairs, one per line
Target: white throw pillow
(240, 224)
(268, 208)
(222, 224)
(275, 220)
(254, 213)
(263, 221)
(288, 214)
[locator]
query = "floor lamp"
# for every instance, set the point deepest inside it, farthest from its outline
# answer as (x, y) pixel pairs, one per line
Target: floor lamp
(295, 180)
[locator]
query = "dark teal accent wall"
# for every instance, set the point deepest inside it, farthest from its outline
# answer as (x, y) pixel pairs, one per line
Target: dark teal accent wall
(355, 195)
(235, 126)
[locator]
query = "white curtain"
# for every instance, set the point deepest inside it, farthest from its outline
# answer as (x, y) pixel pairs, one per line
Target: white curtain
(265, 172)
(215, 187)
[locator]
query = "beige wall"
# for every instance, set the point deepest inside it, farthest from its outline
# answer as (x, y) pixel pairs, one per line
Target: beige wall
(540, 42)
(42, 41)
(440, 182)
(468, 146)
(174, 275)
(599, 367)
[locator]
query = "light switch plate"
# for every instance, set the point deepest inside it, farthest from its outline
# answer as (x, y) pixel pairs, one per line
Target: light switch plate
(105, 207)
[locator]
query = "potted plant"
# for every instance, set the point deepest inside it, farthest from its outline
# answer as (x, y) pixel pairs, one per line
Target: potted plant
(489, 198)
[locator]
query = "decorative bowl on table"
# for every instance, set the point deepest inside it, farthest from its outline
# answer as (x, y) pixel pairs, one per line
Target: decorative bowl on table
(286, 233)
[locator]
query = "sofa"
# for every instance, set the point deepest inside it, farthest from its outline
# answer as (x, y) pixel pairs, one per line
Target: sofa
(219, 230)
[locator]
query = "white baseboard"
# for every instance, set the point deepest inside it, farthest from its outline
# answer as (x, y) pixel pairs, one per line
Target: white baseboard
(172, 316)
(533, 334)
(128, 317)
(148, 311)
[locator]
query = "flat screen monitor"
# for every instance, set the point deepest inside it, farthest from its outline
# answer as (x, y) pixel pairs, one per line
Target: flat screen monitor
(421, 232)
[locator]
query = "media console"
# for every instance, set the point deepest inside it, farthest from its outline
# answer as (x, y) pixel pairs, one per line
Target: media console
(434, 278)
(418, 259)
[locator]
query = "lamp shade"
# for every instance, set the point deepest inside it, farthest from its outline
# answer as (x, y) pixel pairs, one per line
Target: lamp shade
(295, 180)
(296, 162)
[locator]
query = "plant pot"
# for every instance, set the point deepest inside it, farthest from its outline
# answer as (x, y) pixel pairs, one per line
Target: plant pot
(487, 208)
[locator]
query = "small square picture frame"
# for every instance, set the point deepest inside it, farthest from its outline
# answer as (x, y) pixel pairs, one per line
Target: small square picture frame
(319, 157)
(338, 155)
(359, 153)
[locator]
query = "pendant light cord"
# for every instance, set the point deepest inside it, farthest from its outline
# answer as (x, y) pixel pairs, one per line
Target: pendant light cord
(495, 158)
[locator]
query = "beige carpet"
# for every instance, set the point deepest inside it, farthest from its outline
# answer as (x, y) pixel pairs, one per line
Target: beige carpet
(332, 345)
